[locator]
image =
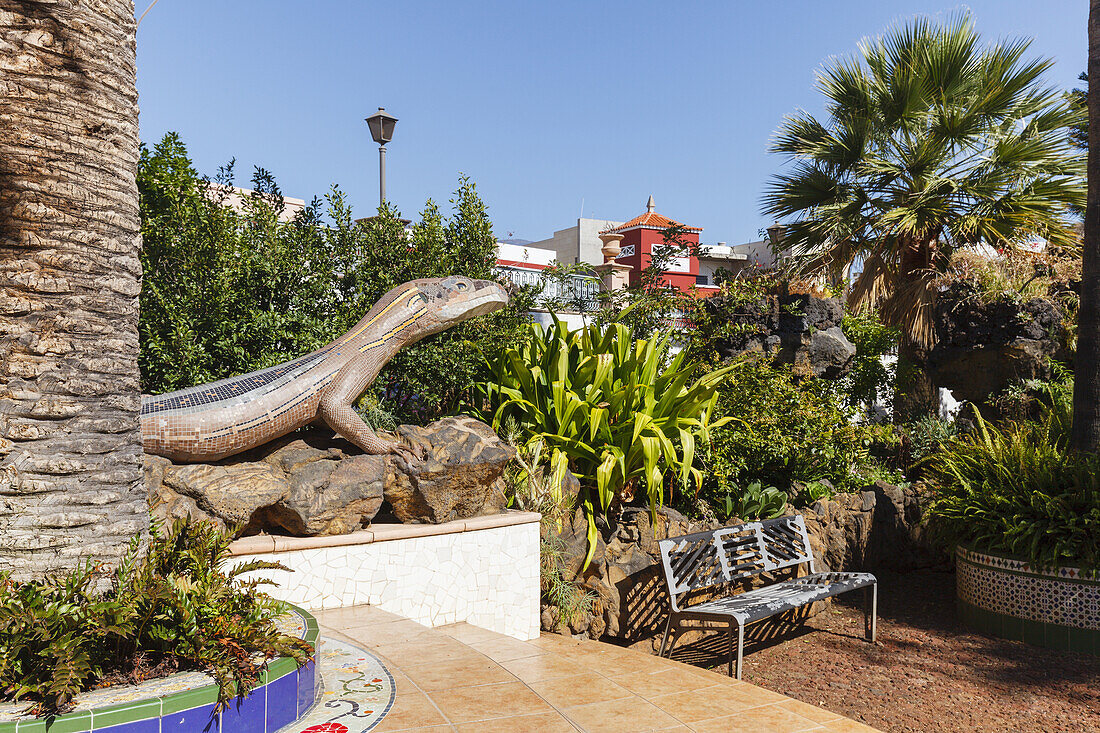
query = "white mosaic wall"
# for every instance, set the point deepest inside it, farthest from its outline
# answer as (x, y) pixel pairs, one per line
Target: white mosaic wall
(485, 577)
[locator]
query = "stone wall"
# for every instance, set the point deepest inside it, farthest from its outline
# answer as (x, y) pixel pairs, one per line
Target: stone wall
(878, 528)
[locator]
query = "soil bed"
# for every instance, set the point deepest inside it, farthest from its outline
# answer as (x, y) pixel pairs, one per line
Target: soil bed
(927, 672)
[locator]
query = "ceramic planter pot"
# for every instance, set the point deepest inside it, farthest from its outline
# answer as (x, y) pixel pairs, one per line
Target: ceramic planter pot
(1007, 597)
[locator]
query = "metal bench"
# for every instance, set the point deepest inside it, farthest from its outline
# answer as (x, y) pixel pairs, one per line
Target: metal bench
(740, 554)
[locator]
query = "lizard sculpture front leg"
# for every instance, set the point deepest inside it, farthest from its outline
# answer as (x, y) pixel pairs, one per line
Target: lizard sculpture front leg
(335, 408)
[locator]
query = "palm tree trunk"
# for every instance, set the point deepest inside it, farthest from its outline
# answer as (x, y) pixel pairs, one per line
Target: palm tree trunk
(70, 443)
(915, 394)
(1086, 383)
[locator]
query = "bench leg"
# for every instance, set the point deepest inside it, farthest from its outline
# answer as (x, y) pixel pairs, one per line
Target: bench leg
(740, 647)
(729, 639)
(870, 613)
(664, 639)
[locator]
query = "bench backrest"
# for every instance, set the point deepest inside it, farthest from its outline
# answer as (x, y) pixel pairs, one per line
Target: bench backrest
(729, 554)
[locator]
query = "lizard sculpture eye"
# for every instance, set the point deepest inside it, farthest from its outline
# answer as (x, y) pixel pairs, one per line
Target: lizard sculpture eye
(460, 286)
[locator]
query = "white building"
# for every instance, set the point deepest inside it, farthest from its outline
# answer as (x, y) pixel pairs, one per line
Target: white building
(234, 198)
(580, 243)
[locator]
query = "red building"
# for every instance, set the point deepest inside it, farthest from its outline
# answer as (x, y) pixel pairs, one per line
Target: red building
(642, 234)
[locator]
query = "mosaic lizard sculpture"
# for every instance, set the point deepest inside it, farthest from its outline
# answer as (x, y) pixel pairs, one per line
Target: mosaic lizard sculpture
(220, 419)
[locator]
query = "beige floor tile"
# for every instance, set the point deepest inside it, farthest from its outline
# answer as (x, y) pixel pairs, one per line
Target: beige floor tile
(743, 723)
(544, 723)
(543, 667)
(778, 720)
(426, 650)
(391, 632)
(461, 672)
(758, 695)
(652, 684)
(618, 716)
(359, 614)
(846, 725)
(819, 715)
(701, 704)
(613, 663)
(465, 705)
(503, 649)
(580, 689)
(410, 710)
(402, 684)
(557, 642)
(468, 633)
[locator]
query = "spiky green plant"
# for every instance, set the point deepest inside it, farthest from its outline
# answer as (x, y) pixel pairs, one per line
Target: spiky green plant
(624, 414)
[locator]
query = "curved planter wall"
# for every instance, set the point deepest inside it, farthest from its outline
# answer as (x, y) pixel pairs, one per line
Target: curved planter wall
(1008, 598)
(285, 694)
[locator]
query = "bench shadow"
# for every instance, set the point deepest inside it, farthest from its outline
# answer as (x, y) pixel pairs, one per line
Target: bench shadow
(712, 648)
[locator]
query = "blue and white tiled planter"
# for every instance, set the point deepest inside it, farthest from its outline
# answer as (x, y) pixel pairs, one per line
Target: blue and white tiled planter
(1007, 597)
(186, 703)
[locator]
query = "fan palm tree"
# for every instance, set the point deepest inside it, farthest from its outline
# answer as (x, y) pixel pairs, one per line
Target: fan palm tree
(70, 439)
(933, 142)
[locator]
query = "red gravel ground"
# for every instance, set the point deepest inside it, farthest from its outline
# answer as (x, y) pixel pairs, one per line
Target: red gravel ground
(926, 673)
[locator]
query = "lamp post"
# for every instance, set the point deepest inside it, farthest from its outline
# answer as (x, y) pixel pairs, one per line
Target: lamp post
(381, 127)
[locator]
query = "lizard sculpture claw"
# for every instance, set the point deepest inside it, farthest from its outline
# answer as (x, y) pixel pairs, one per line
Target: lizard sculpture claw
(220, 419)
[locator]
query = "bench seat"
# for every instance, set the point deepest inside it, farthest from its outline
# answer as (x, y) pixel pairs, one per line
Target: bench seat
(769, 600)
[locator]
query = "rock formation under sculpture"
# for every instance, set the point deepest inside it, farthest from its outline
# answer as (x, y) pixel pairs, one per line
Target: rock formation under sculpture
(316, 483)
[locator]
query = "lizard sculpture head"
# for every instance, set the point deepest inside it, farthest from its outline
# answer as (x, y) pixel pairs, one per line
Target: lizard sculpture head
(450, 300)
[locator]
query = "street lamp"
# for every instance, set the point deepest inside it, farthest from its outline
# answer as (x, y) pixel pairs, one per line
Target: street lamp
(381, 129)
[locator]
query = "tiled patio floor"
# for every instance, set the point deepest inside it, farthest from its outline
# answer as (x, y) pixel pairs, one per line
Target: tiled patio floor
(463, 678)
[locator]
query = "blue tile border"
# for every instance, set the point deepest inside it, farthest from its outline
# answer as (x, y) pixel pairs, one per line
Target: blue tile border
(178, 713)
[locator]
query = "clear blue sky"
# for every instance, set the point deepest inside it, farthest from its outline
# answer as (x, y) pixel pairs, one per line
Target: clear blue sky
(542, 104)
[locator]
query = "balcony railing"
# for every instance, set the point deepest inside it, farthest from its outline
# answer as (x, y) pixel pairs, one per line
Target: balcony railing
(576, 292)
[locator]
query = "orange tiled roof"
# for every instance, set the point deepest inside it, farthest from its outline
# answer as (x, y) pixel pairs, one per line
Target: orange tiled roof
(652, 220)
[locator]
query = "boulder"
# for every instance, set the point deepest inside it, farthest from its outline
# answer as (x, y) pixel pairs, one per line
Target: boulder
(800, 330)
(983, 347)
(830, 353)
(314, 483)
(460, 476)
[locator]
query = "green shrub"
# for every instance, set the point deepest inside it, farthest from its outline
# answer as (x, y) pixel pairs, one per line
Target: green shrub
(228, 290)
(1018, 490)
(623, 413)
(814, 492)
(781, 430)
(755, 501)
(572, 601)
(171, 605)
(926, 434)
(870, 381)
